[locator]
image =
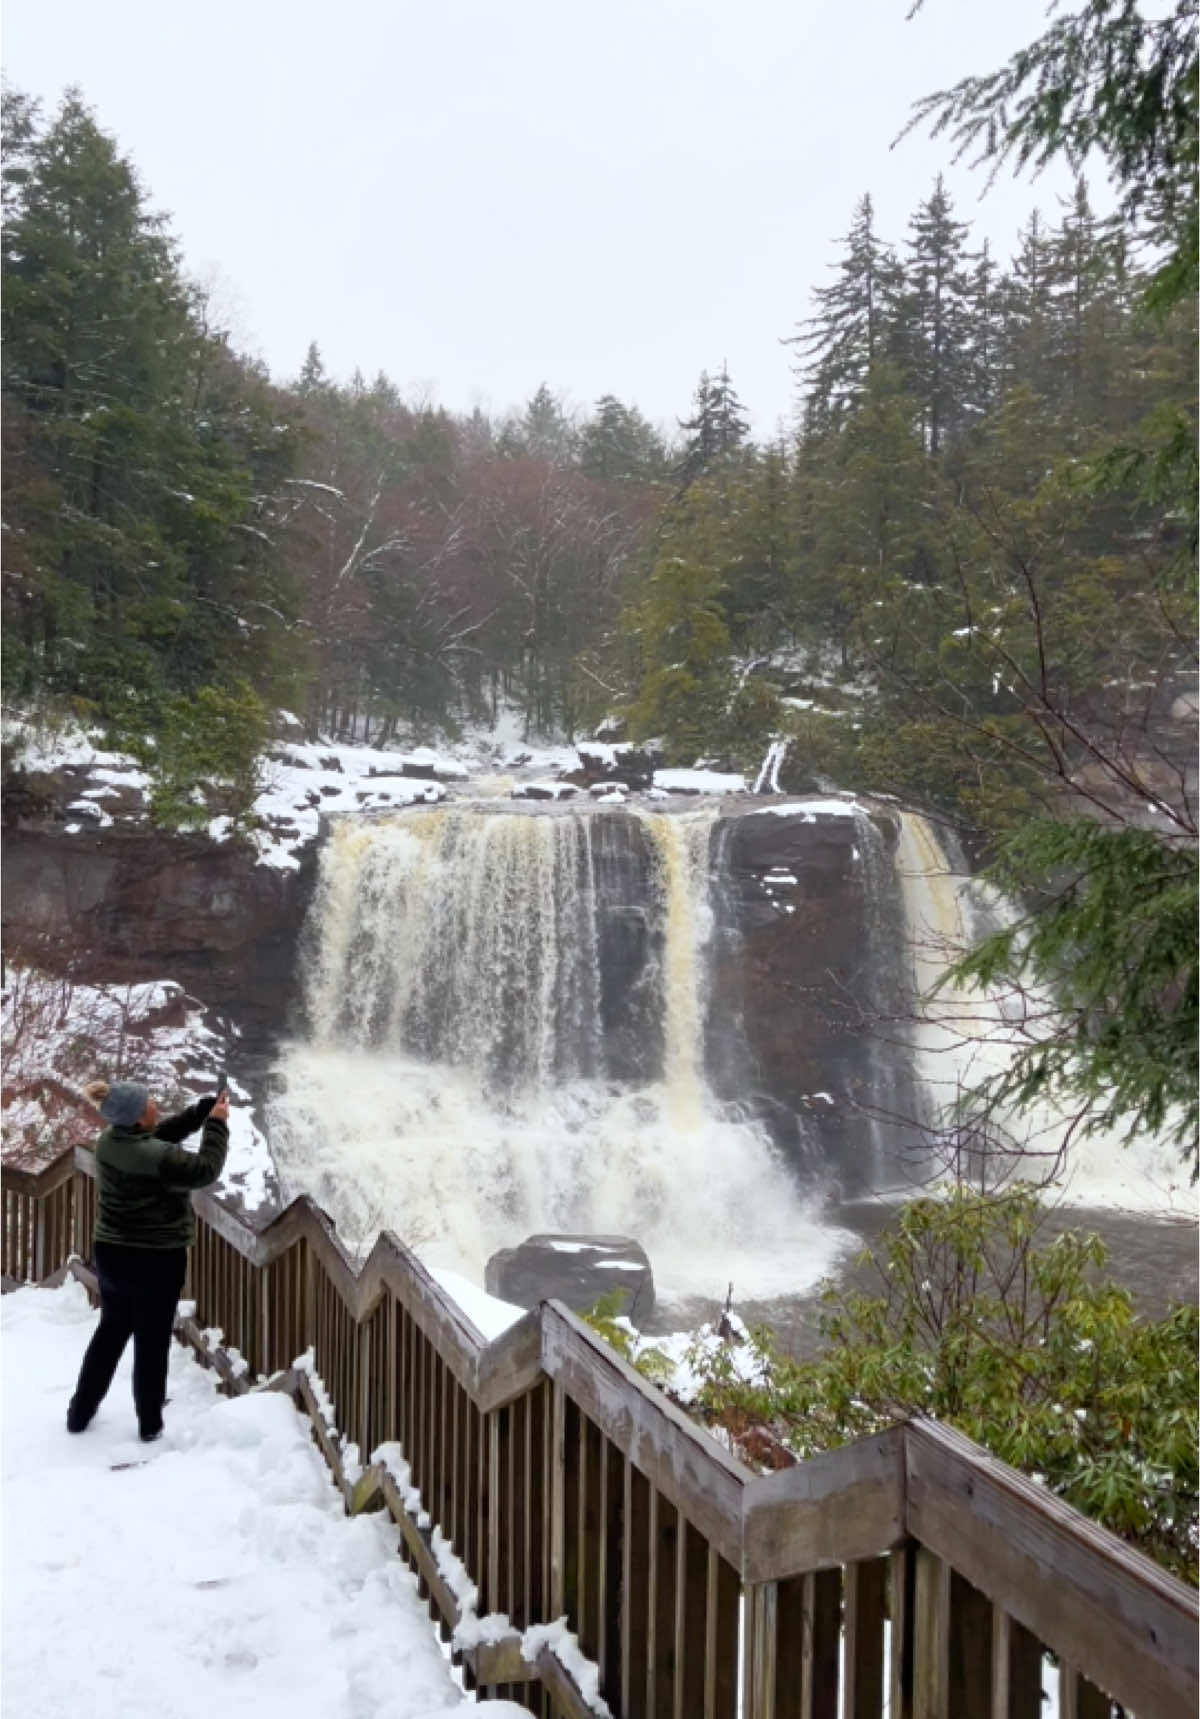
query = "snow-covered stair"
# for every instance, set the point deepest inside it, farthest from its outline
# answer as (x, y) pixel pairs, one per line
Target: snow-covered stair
(212, 1573)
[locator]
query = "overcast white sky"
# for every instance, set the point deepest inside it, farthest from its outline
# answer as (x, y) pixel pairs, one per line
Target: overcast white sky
(476, 196)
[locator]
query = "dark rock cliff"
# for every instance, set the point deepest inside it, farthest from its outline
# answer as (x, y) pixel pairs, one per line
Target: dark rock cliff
(809, 989)
(806, 974)
(127, 904)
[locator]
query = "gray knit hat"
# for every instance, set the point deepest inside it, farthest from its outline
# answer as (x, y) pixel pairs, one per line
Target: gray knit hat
(126, 1104)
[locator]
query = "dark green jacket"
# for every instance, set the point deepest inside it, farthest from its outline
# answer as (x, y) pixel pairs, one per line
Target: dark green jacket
(146, 1179)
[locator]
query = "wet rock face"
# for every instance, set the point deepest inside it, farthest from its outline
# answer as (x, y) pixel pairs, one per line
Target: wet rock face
(126, 905)
(806, 984)
(628, 947)
(576, 1269)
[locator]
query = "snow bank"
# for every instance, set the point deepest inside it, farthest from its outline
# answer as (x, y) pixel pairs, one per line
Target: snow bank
(699, 782)
(235, 1583)
(811, 810)
(43, 747)
(490, 1316)
(302, 784)
(607, 754)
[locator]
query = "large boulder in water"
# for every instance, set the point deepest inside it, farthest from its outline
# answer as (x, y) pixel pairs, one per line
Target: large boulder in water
(577, 1269)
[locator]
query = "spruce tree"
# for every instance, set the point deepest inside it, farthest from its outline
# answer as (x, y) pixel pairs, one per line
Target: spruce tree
(1088, 307)
(729, 416)
(700, 446)
(143, 458)
(854, 324)
(680, 632)
(94, 319)
(313, 379)
(717, 428)
(618, 443)
(543, 431)
(1027, 308)
(983, 378)
(938, 317)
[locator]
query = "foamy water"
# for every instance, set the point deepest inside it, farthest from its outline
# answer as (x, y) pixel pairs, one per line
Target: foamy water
(967, 1034)
(455, 1086)
(388, 1141)
(454, 1089)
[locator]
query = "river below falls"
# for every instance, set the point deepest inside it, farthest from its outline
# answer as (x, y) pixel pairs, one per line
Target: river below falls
(1158, 1259)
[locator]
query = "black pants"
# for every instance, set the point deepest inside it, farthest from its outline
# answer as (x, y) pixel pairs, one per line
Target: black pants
(139, 1291)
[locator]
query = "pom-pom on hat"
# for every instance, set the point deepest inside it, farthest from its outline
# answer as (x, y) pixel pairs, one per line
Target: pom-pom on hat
(125, 1104)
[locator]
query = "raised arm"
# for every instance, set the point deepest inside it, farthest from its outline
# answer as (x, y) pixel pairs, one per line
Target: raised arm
(184, 1122)
(180, 1169)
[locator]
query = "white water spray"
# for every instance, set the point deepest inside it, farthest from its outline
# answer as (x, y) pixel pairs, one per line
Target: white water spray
(455, 1086)
(964, 1035)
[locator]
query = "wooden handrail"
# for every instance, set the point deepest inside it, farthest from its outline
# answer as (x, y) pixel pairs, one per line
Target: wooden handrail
(570, 1485)
(1112, 1611)
(38, 1183)
(836, 1508)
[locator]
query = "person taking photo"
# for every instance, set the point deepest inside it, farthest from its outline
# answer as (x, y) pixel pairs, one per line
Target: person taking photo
(144, 1227)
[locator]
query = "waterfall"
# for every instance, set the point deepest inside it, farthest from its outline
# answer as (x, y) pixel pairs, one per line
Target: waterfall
(506, 1017)
(469, 940)
(963, 1035)
(682, 845)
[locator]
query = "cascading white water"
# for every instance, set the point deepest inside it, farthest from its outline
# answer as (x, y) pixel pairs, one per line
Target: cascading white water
(456, 1084)
(963, 1035)
(467, 939)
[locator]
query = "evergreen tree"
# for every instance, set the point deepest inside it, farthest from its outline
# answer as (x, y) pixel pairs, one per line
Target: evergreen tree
(681, 635)
(868, 518)
(1109, 76)
(94, 318)
(700, 447)
(313, 379)
(542, 432)
(19, 120)
(985, 338)
(731, 425)
(717, 428)
(1026, 310)
(618, 443)
(937, 318)
(1087, 309)
(854, 324)
(142, 458)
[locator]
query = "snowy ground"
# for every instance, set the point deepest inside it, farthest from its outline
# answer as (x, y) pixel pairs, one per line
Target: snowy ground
(217, 1575)
(214, 1571)
(302, 781)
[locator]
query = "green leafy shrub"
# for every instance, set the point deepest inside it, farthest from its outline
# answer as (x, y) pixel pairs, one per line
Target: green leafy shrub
(607, 1320)
(1016, 1339)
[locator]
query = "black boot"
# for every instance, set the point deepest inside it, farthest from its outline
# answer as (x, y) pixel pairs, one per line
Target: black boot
(77, 1420)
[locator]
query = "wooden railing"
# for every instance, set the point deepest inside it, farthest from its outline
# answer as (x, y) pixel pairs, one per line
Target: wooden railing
(909, 1574)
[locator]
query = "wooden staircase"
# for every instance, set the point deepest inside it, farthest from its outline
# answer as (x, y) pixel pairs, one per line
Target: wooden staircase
(910, 1574)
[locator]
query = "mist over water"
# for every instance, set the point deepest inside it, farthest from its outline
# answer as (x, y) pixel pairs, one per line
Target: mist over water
(463, 1082)
(506, 1025)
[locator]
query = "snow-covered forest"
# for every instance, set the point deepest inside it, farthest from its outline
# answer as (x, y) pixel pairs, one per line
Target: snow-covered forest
(964, 578)
(182, 527)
